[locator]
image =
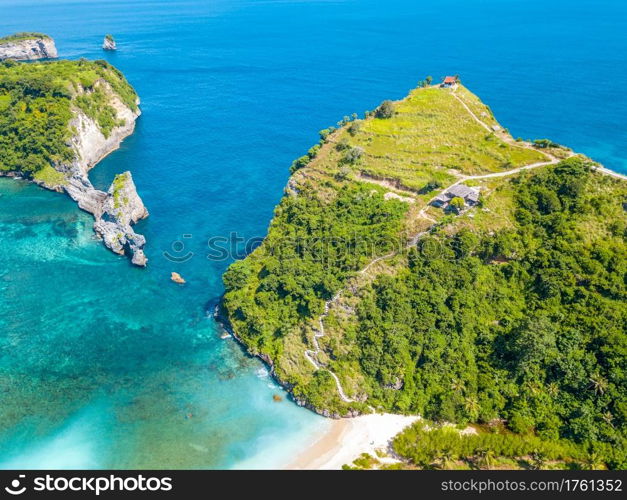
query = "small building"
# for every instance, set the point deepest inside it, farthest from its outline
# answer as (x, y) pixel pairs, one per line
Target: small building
(449, 81)
(440, 200)
(468, 194)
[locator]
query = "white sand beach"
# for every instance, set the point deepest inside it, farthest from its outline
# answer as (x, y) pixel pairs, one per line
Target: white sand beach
(348, 438)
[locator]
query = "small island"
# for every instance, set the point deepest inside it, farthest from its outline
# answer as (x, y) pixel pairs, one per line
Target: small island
(27, 47)
(109, 43)
(84, 109)
(424, 262)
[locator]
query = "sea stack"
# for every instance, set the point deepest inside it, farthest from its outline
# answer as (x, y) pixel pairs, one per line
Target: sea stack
(121, 208)
(109, 43)
(27, 47)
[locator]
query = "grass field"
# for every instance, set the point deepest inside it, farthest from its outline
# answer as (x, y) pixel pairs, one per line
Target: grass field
(432, 138)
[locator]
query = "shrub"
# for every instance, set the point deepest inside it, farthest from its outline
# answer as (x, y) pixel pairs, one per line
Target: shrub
(545, 143)
(343, 174)
(342, 145)
(457, 204)
(299, 163)
(386, 110)
(430, 186)
(354, 127)
(353, 154)
(324, 134)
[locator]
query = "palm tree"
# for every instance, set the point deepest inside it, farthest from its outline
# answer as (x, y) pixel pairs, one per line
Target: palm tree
(538, 459)
(472, 406)
(457, 385)
(608, 418)
(553, 389)
(598, 383)
(593, 461)
(485, 457)
(448, 458)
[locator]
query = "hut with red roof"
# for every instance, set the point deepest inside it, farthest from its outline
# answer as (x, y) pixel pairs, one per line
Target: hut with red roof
(449, 81)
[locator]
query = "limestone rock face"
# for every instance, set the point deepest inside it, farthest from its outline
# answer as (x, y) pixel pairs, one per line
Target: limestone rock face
(122, 207)
(116, 210)
(28, 49)
(89, 142)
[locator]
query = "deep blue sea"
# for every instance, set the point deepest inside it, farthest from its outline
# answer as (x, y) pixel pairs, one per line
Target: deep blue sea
(106, 365)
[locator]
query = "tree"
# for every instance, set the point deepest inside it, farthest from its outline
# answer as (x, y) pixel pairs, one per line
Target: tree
(237, 275)
(538, 459)
(485, 457)
(385, 110)
(354, 127)
(471, 406)
(353, 154)
(457, 385)
(428, 80)
(598, 383)
(457, 204)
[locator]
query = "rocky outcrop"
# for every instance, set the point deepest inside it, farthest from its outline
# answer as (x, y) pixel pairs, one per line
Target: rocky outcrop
(177, 278)
(121, 208)
(116, 210)
(109, 43)
(27, 48)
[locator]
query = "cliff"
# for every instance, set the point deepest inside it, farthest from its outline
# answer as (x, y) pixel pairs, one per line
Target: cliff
(27, 47)
(121, 208)
(423, 261)
(100, 110)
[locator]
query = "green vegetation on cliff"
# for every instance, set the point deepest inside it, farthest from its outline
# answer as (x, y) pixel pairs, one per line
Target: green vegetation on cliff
(20, 37)
(513, 310)
(36, 102)
(525, 323)
(427, 445)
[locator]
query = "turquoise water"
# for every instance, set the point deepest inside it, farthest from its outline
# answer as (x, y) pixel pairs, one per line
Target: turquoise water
(106, 365)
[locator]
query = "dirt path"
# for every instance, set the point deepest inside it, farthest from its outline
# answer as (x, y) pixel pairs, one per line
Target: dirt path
(312, 355)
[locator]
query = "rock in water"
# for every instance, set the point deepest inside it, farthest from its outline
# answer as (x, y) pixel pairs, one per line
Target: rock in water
(27, 47)
(177, 278)
(122, 207)
(109, 43)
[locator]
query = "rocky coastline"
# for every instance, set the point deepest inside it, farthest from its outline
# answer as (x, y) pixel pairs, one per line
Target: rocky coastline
(117, 209)
(223, 321)
(27, 48)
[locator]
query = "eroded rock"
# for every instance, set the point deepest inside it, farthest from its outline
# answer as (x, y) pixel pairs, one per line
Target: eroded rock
(27, 47)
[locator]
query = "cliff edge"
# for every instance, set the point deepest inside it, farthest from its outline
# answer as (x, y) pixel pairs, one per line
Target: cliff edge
(413, 243)
(27, 47)
(90, 109)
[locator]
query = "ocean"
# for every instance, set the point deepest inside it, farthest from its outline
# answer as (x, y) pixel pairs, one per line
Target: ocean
(103, 365)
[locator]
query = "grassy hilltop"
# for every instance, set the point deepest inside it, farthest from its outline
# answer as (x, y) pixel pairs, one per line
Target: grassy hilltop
(365, 297)
(20, 37)
(36, 107)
